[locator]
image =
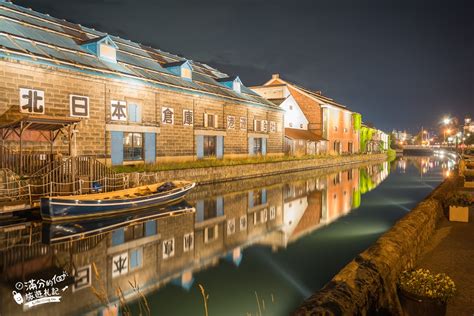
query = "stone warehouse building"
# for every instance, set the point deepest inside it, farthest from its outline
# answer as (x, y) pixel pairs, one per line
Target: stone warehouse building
(313, 123)
(126, 103)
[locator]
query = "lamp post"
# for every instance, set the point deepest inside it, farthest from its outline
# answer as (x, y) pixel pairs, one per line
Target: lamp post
(446, 122)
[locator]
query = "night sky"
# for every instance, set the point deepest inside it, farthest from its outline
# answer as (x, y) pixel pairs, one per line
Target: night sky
(402, 64)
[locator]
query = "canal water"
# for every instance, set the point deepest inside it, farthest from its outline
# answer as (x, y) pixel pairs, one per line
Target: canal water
(252, 247)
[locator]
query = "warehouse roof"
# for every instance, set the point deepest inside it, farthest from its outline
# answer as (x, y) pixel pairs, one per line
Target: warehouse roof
(37, 37)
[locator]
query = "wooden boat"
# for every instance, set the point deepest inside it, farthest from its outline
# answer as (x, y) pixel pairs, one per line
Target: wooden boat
(112, 203)
(84, 228)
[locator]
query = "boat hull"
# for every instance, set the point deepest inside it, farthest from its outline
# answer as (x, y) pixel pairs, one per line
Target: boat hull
(57, 208)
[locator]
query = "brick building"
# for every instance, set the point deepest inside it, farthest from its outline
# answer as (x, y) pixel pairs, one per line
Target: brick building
(313, 123)
(127, 103)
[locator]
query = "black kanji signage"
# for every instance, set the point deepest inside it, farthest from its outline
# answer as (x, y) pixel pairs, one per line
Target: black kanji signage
(118, 111)
(31, 101)
(79, 106)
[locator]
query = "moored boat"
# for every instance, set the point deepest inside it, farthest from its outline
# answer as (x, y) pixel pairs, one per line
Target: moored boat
(112, 203)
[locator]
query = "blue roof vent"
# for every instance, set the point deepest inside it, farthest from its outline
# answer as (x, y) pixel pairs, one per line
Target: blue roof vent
(103, 47)
(182, 68)
(233, 83)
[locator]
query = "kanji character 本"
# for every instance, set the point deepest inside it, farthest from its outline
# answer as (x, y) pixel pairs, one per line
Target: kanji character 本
(79, 106)
(167, 116)
(119, 110)
(188, 118)
(120, 264)
(31, 101)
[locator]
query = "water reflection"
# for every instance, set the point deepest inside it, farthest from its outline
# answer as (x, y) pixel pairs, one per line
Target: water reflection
(147, 251)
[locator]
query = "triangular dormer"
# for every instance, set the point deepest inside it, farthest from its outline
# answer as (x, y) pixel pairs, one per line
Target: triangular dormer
(182, 68)
(233, 83)
(103, 47)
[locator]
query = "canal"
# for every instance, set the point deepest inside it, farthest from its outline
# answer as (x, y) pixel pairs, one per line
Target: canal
(255, 247)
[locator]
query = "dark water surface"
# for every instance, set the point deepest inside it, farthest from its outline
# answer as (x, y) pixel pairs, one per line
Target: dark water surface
(258, 246)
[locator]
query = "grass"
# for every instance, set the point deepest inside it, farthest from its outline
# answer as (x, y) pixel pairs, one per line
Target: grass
(213, 162)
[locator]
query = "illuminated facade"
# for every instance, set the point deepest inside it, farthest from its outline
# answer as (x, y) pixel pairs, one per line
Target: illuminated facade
(135, 103)
(327, 125)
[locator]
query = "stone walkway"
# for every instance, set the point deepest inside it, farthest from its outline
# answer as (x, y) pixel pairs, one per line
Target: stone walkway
(452, 252)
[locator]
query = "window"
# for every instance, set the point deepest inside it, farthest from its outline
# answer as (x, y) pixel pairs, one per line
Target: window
(210, 146)
(258, 197)
(150, 228)
(345, 130)
(134, 113)
(211, 233)
(236, 86)
(291, 124)
(118, 237)
(136, 260)
(210, 209)
(108, 52)
(210, 120)
(301, 125)
(257, 145)
(335, 128)
(134, 232)
(291, 107)
(349, 175)
(132, 146)
(186, 73)
(257, 125)
(349, 147)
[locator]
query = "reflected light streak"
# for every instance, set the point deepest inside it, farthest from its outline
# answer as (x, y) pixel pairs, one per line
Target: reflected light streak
(303, 290)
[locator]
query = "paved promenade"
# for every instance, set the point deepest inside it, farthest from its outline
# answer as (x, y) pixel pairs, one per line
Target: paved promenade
(452, 251)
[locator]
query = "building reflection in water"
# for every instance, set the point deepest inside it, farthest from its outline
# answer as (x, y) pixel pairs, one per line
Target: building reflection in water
(428, 163)
(150, 250)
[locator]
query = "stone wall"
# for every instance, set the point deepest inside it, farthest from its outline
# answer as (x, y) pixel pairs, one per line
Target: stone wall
(368, 284)
(173, 141)
(246, 171)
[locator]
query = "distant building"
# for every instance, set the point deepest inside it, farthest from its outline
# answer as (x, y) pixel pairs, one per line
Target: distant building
(401, 136)
(313, 123)
(468, 126)
(373, 140)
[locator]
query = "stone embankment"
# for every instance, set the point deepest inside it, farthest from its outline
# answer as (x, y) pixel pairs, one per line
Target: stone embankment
(247, 171)
(368, 284)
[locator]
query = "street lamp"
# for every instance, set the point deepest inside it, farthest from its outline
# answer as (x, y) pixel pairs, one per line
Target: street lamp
(446, 121)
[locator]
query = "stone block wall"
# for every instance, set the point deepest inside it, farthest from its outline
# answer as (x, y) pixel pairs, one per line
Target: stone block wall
(246, 171)
(172, 141)
(368, 284)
